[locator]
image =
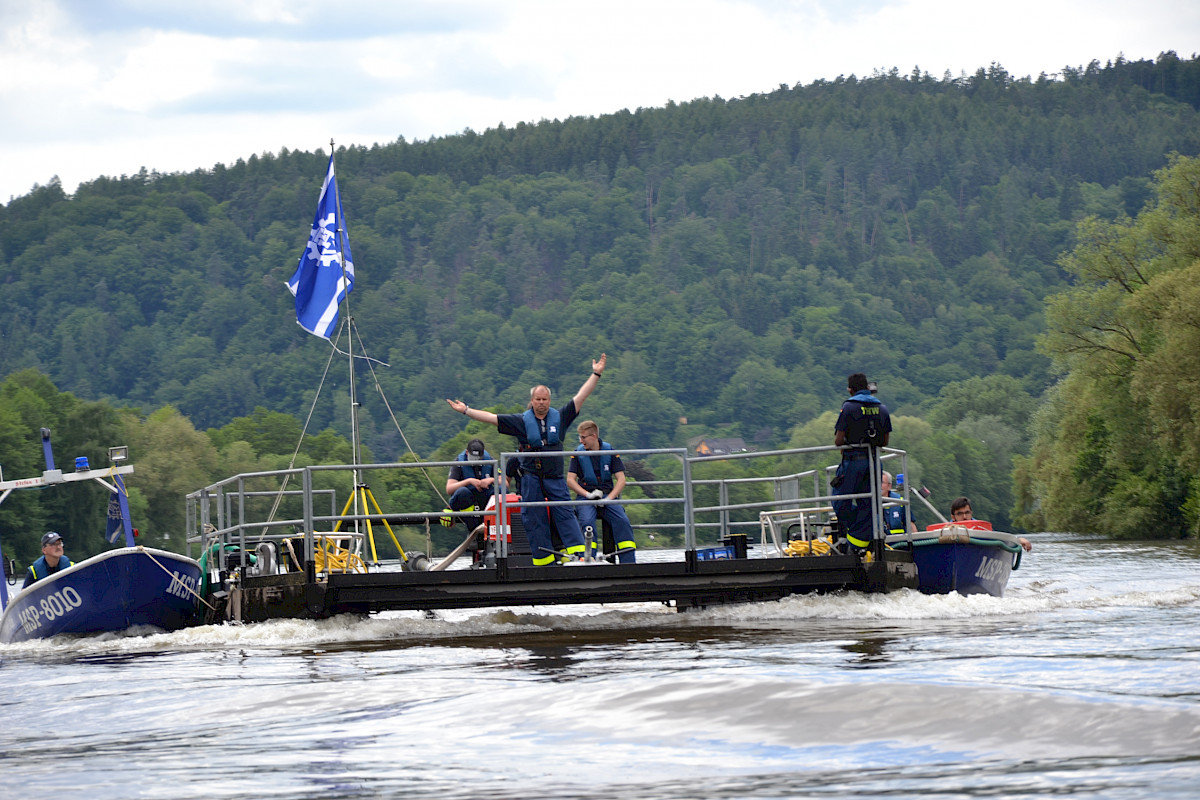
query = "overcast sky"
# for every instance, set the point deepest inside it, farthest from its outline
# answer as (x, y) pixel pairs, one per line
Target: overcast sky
(105, 87)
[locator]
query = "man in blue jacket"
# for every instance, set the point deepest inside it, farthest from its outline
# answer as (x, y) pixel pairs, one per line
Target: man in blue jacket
(52, 559)
(864, 420)
(540, 430)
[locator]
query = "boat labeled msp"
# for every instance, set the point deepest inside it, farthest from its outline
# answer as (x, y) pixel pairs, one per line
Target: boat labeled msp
(113, 591)
(966, 557)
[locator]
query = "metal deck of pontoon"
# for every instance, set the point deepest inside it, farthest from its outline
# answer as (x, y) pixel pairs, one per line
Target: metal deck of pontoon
(690, 582)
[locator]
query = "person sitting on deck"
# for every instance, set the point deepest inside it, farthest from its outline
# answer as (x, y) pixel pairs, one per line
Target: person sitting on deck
(471, 483)
(53, 559)
(601, 477)
(960, 511)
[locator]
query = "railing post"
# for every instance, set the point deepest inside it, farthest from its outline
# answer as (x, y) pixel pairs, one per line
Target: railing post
(310, 557)
(501, 509)
(219, 502)
(241, 507)
(689, 524)
(204, 514)
(189, 524)
(723, 501)
(877, 523)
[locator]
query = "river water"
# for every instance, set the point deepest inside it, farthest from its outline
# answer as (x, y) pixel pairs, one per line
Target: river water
(1083, 680)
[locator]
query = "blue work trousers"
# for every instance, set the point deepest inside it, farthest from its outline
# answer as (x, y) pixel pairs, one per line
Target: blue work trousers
(618, 520)
(855, 515)
(535, 488)
(465, 497)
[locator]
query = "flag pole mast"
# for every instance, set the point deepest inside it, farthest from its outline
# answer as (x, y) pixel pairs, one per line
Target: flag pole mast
(354, 432)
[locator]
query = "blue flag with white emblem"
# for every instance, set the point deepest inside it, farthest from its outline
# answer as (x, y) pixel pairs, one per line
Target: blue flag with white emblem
(115, 528)
(325, 273)
(118, 526)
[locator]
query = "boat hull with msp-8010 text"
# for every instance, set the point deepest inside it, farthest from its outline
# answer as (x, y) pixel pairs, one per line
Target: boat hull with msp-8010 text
(113, 591)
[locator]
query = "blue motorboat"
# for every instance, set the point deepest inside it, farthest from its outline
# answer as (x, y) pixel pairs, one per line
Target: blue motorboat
(967, 557)
(116, 590)
(113, 591)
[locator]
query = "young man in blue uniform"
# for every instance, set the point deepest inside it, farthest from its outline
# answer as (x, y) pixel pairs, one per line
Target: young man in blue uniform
(470, 483)
(597, 477)
(51, 561)
(541, 429)
(864, 420)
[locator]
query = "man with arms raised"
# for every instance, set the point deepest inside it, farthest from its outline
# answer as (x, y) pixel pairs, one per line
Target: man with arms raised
(541, 429)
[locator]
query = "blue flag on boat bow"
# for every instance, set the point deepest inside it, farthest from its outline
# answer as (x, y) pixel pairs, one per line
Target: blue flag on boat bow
(118, 526)
(115, 530)
(320, 283)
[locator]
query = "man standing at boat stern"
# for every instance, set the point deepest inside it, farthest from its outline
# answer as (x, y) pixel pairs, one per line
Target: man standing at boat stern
(864, 420)
(541, 429)
(53, 559)
(601, 477)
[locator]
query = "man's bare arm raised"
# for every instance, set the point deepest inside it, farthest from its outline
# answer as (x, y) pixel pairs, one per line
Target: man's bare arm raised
(586, 389)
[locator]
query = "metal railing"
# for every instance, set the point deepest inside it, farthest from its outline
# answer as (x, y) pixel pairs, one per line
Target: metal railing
(223, 512)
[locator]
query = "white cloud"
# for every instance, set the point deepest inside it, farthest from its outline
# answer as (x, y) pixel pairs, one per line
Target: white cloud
(104, 87)
(170, 67)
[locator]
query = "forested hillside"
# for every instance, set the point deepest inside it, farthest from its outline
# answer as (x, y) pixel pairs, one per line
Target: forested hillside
(736, 258)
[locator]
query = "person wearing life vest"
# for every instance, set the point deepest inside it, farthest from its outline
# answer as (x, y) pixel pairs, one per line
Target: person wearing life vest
(863, 420)
(541, 430)
(601, 477)
(471, 483)
(51, 561)
(960, 511)
(894, 516)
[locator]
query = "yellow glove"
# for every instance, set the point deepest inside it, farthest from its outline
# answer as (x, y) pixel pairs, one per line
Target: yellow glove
(446, 521)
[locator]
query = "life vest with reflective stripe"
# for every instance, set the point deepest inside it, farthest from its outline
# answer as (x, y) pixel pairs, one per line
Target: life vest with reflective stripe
(40, 569)
(894, 515)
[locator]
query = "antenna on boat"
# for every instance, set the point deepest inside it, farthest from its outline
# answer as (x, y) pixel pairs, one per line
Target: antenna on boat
(355, 443)
(319, 302)
(924, 494)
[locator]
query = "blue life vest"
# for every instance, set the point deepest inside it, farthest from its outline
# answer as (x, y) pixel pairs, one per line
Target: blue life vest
(533, 431)
(40, 569)
(587, 464)
(481, 470)
(894, 516)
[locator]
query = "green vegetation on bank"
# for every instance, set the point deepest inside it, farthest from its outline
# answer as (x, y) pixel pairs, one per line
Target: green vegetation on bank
(1118, 439)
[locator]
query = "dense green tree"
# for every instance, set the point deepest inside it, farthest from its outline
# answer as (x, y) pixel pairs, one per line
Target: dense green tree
(29, 403)
(1117, 445)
